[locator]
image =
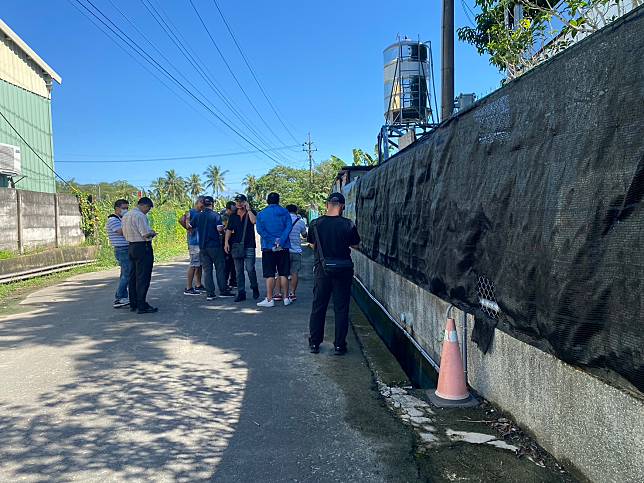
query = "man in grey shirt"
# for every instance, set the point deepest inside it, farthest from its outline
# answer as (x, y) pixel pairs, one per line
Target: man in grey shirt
(137, 231)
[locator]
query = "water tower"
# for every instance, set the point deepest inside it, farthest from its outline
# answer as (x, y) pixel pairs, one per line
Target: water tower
(408, 111)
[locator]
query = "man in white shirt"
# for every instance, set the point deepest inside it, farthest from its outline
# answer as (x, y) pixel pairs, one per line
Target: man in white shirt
(137, 231)
(298, 232)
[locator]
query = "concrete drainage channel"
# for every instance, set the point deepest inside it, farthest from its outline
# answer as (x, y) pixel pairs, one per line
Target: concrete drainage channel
(478, 444)
(45, 263)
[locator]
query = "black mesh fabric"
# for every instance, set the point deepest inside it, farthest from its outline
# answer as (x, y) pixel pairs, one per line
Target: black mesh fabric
(534, 194)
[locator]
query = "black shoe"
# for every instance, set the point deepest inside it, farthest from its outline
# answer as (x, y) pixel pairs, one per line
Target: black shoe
(200, 289)
(340, 351)
(241, 296)
(314, 348)
(255, 293)
(148, 310)
(211, 297)
(190, 291)
(227, 293)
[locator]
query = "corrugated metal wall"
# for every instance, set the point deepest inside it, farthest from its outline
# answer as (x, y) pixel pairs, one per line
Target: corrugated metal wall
(30, 114)
(18, 69)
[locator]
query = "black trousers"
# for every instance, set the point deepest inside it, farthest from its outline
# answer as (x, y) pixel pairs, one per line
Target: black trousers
(230, 272)
(141, 262)
(327, 285)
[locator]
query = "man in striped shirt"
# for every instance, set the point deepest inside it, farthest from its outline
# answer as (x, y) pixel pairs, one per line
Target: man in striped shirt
(114, 230)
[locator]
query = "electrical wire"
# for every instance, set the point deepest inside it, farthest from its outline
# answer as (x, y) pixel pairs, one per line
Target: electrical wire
(232, 73)
(174, 35)
(465, 8)
(34, 151)
(176, 158)
(252, 71)
(126, 39)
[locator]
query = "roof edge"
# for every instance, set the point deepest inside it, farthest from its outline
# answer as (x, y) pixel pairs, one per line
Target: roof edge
(28, 50)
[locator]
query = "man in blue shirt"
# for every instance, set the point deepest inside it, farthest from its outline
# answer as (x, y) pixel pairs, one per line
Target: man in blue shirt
(194, 267)
(274, 227)
(209, 225)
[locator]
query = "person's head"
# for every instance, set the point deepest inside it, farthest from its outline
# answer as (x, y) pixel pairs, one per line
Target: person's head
(199, 203)
(121, 206)
(145, 204)
(335, 204)
(273, 199)
(230, 208)
(292, 209)
(208, 202)
(240, 202)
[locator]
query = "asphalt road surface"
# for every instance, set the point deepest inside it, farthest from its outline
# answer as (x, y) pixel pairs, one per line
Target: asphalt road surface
(201, 390)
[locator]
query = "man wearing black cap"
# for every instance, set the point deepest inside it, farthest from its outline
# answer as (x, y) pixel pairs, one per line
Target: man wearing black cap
(332, 237)
(209, 225)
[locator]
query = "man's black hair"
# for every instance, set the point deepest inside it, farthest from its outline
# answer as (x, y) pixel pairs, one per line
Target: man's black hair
(292, 209)
(120, 202)
(145, 201)
(273, 199)
(230, 205)
(208, 201)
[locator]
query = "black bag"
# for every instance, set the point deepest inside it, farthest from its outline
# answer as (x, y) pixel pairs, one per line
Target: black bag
(238, 250)
(331, 265)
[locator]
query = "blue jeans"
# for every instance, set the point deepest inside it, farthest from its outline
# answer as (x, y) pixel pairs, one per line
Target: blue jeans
(121, 255)
(248, 262)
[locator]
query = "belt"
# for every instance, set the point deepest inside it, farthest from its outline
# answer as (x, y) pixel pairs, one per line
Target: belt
(141, 242)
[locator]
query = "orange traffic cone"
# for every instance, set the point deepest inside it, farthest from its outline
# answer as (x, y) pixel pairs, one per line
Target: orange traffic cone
(451, 378)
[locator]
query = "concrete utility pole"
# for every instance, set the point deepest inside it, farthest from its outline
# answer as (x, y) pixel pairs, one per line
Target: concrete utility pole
(308, 148)
(447, 61)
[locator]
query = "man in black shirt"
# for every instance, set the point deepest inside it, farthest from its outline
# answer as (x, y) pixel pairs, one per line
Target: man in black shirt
(332, 236)
(243, 221)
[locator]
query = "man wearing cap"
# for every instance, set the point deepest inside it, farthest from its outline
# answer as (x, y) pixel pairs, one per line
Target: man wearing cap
(209, 225)
(332, 237)
(137, 231)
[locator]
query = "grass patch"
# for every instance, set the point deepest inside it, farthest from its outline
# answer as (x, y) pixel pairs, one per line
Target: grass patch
(12, 293)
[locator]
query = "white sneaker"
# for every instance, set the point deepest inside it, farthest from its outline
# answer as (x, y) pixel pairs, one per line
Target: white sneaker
(266, 303)
(287, 301)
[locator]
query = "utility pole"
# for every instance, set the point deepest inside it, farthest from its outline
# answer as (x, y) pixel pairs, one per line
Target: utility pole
(309, 149)
(447, 61)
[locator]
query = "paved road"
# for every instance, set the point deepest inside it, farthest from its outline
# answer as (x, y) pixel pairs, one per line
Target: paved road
(200, 391)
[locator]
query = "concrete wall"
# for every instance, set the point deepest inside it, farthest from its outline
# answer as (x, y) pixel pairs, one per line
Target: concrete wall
(578, 418)
(8, 220)
(38, 220)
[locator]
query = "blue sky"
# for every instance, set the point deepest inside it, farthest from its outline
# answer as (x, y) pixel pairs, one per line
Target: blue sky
(320, 63)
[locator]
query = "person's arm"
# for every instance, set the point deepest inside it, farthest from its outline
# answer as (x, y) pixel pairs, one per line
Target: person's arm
(111, 227)
(220, 223)
(183, 221)
(288, 225)
(252, 218)
(354, 237)
(261, 229)
(227, 240)
(143, 227)
(303, 232)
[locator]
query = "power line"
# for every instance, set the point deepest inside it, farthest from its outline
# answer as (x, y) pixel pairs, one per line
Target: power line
(34, 151)
(148, 58)
(252, 71)
(232, 73)
(176, 158)
(465, 8)
(180, 43)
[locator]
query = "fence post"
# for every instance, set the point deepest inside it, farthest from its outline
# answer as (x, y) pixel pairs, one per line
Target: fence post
(56, 220)
(21, 241)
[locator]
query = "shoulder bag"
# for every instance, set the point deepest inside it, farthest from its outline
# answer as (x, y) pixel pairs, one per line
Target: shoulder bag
(330, 265)
(238, 250)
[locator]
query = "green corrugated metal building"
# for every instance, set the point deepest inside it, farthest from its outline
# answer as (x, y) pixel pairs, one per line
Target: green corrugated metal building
(25, 100)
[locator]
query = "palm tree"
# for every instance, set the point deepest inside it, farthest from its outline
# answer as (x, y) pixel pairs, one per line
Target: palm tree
(175, 186)
(158, 188)
(195, 185)
(215, 179)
